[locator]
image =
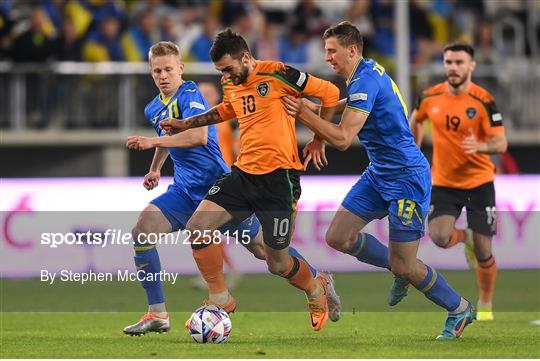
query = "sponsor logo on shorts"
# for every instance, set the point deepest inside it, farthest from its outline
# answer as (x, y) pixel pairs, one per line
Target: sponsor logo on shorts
(431, 209)
(213, 190)
(281, 240)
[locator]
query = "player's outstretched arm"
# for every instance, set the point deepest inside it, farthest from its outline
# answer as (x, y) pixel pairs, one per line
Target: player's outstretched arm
(339, 135)
(315, 108)
(188, 139)
(171, 126)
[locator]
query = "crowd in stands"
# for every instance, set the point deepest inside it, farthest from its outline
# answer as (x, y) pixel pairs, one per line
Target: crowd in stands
(286, 30)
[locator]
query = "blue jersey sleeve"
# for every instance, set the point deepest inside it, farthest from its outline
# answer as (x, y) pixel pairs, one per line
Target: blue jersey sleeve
(192, 102)
(361, 94)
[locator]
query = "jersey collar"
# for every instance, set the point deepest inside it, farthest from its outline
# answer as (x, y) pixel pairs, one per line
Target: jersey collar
(253, 72)
(166, 100)
(354, 70)
(447, 90)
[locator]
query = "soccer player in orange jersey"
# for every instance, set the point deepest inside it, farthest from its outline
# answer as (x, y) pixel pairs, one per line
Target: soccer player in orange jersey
(467, 128)
(229, 144)
(265, 178)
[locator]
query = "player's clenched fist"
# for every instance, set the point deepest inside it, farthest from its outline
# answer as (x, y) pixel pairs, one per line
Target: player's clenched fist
(151, 180)
(136, 142)
(171, 125)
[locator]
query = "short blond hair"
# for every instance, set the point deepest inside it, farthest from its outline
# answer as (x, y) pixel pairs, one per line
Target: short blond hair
(164, 48)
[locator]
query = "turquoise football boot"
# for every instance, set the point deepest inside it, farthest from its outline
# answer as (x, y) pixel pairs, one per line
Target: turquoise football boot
(456, 323)
(399, 290)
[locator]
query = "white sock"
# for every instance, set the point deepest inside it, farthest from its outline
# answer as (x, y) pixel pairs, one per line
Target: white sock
(158, 309)
(463, 304)
(317, 291)
(220, 298)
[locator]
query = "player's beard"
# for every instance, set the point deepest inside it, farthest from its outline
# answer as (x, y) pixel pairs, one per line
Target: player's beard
(460, 81)
(239, 79)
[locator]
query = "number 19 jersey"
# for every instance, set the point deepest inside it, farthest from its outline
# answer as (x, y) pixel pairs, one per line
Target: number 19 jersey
(453, 119)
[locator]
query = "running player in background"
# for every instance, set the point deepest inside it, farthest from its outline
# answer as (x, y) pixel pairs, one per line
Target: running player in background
(467, 128)
(396, 183)
(197, 165)
(265, 178)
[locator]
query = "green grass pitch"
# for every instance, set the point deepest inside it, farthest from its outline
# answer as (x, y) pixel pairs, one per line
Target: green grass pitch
(69, 321)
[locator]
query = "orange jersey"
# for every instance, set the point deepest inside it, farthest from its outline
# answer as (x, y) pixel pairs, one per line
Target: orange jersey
(267, 132)
(453, 118)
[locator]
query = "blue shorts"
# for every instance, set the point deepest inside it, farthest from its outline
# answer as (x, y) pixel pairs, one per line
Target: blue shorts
(404, 198)
(178, 208)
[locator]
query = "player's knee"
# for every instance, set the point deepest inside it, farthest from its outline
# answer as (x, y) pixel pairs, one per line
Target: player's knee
(482, 254)
(337, 240)
(194, 228)
(440, 239)
(401, 269)
(258, 251)
(277, 267)
(139, 232)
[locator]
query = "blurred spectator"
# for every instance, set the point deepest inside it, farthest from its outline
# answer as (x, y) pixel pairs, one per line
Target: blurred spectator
(6, 26)
(102, 9)
(55, 11)
(230, 10)
(193, 23)
(359, 14)
(37, 43)
(81, 17)
(104, 43)
(200, 50)
(169, 29)
(424, 48)
(189, 29)
(267, 44)
(312, 17)
(484, 52)
(69, 46)
(138, 39)
(242, 25)
(293, 46)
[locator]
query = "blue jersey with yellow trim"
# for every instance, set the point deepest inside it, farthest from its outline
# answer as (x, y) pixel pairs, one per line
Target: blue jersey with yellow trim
(195, 169)
(385, 135)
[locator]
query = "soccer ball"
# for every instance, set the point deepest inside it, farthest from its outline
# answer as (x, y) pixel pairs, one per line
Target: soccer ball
(209, 324)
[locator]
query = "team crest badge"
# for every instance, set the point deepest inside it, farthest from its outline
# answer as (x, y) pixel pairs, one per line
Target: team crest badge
(471, 113)
(263, 89)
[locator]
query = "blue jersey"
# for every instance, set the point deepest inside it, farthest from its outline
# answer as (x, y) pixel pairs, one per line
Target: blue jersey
(386, 135)
(195, 169)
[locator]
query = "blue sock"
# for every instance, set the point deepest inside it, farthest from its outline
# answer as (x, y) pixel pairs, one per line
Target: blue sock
(369, 250)
(148, 261)
(436, 289)
(293, 252)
